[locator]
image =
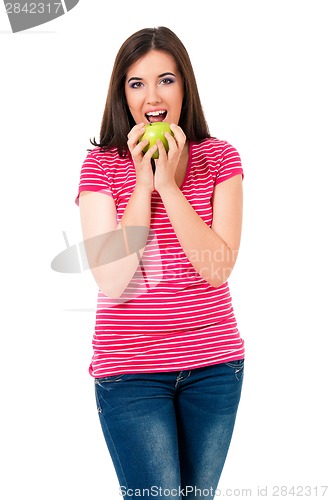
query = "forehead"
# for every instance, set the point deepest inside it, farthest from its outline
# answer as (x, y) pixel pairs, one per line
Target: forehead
(154, 62)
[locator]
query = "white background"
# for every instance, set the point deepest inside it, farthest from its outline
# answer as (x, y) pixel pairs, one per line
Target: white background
(263, 79)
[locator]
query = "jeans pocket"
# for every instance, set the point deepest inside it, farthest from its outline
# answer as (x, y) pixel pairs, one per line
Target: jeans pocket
(238, 367)
(111, 378)
(103, 385)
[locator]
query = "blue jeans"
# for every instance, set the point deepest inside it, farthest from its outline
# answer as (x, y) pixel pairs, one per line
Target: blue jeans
(169, 433)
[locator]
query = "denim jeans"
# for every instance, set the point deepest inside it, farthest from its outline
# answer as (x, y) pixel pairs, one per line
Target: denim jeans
(169, 433)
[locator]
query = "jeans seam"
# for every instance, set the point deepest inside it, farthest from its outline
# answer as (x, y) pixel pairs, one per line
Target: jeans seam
(179, 380)
(110, 379)
(237, 371)
(98, 404)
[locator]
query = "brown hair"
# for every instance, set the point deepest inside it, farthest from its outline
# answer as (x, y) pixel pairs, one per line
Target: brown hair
(117, 120)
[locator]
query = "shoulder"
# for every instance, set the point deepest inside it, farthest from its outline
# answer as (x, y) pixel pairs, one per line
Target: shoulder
(103, 170)
(106, 162)
(106, 156)
(214, 147)
(221, 158)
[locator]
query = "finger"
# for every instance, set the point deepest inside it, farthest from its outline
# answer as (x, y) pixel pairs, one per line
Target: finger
(161, 148)
(172, 142)
(176, 129)
(134, 135)
(178, 134)
(137, 149)
(135, 143)
(148, 155)
(137, 128)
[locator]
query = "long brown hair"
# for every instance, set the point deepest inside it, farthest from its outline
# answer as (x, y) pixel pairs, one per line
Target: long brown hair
(117, 120)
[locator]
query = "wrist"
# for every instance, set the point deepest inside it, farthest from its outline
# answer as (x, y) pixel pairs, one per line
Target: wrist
(168, 191)
(142, 191)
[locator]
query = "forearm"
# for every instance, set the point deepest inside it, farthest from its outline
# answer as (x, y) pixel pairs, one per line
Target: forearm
(138, 209)
(206, 250)
(120, 251)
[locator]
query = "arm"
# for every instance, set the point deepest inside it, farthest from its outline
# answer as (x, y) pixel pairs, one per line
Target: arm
(99, 225)
(107, 250)
(212, 251)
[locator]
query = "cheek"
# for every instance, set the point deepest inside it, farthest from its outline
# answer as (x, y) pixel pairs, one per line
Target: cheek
(134, 106)
(131, 99)
(178, 104)
(178, 97)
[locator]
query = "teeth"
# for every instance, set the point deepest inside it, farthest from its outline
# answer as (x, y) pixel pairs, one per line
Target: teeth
(155, 113)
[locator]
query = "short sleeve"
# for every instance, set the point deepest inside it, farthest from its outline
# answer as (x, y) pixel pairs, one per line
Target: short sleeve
(93, 176)
(230, 164)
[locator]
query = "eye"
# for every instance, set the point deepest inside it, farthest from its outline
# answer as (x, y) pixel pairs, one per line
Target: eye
(167, 81)
(135, 85)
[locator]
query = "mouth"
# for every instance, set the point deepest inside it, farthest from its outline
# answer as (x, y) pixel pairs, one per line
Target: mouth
(156, 116)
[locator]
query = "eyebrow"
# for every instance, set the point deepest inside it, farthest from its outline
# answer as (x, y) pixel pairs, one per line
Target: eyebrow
(159, 76)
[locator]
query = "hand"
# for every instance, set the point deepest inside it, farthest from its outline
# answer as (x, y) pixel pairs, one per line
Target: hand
(142, 162)
(167, 164)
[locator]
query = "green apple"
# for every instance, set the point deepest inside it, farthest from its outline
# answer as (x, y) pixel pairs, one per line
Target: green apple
(152, 133)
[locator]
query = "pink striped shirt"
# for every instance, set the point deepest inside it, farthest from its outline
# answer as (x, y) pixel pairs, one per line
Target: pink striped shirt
(169, 317)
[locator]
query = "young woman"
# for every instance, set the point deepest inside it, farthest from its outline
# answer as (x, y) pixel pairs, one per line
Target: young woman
(161, 243)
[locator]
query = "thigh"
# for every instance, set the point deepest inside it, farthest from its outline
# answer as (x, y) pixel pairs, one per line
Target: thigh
(139, 425)
(206, 407)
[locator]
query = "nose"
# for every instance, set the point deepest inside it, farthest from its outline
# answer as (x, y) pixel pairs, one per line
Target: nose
(153, 96)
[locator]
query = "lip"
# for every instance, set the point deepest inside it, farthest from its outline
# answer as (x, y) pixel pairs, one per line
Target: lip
(152, 110)
(155, 110)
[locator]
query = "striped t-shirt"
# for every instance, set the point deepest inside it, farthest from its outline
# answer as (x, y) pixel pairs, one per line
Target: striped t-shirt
(169, 318)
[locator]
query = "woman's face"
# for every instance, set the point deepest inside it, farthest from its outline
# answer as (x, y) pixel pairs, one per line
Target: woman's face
(154, 89)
